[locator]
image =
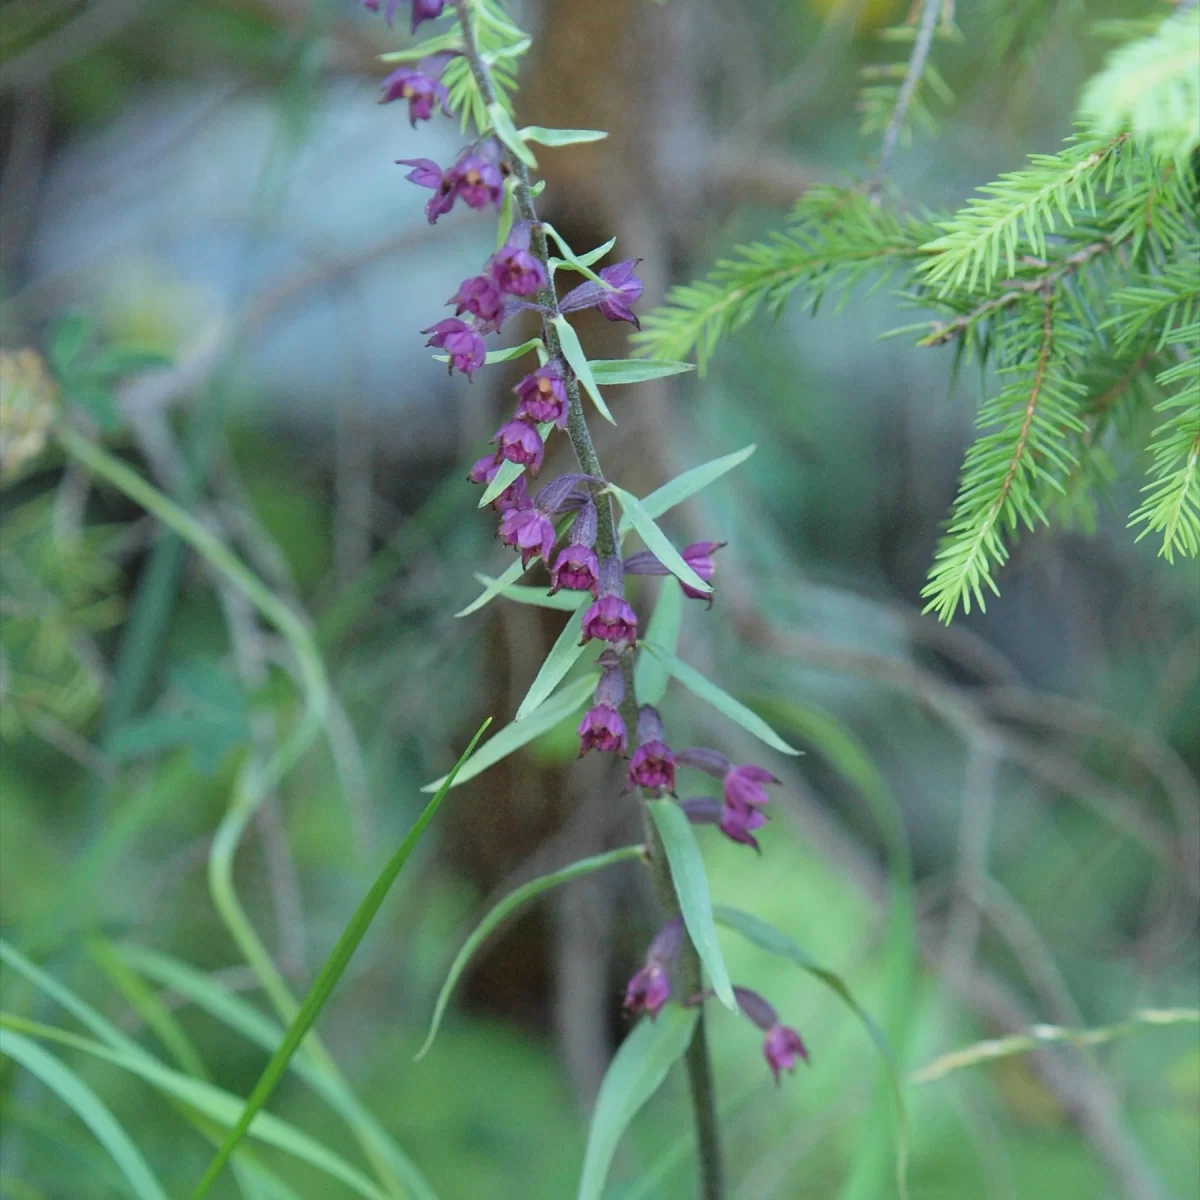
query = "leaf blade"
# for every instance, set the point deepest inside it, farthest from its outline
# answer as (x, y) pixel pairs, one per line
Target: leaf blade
(657, 541)
(649, 675)
(722, 701)
(634, 1075)
(506, 131)
(691, 889)
(636, 370)
(560, 137)
(500, 912)
(683, 486)
(573, 352)
(538, 597)
(563, 655)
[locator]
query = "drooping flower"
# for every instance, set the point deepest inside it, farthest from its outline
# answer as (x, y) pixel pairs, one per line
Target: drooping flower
(515, 270)
(743, 785)
(423, 10)
(529, 531)
(421, 86)
(480, 297)
(613, 297)
(576, 569)
(782, 1045)
(516, 495)
(520, 442)
(464, 344)
(698, 556)
(427, 174)
(477, 176)
(542, 396)
(653, 764)
(484, 469)
(609, 617)
(602, 727)
(650, 987)
(735, 822)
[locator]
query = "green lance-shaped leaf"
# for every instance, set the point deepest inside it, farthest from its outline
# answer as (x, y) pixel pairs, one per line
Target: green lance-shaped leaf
(560, 137)
(649, 675)
(656, 541)
(243, 1017)
(634, 1075)
(575, 261)
(537, 596)
(506, 131)
(512, 737)
(502, 911)
(683, 486)
(635, 370)
(768, 938)
(573, 352)
(90, 1109)
(691, 888)
(510, 575)
(505, 355)
(578, 262)
(326, 981)
(563, 655)
(207, 1100)
(722, 701)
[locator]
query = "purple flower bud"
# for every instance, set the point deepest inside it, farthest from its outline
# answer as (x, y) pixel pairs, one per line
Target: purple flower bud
(755, 1008)
(422, 92)
(583, 529)
(517, 271)
(781, 1047)
(478, 180)
(516, 495)
(520, 442)
(575, 569)
(563, 494)
(423, 10)
(529, 531)
(650, 988)
(601, 729)
(620, 289)
(481, 298)
(543, 396)
(653, 765)
(611, 620)
(735, 822)
(484, 469)
(464, 344)
(744, 785)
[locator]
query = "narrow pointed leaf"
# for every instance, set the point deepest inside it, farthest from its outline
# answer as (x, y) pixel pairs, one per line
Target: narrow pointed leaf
(507, 354)
(501, 912)
(691, 888)
(768, 938)
(656, 541)
(634, 1075)
(578, 262)
(213, 1102)
(90, 1109)
(683, 486)
(592, 256)
(327, 978)
(560, 137)
(506, 131)
(722, 701)
(511, 574)
(573, 353)
(635, 370)
(512, 737)
(564, 654)
(649, 675)
(538, 597)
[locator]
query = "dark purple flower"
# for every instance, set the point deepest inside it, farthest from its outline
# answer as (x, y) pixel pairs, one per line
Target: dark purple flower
(427, 174)
(422, 10)
(698, 556)
(515, 270)
(480, 296)
(575, 569)
(421, 90)
(484, 470)
(516, 495)
(735, 822)
(478, 180)
(781, 1047)
(653, 765)
(743, 785)
(464, 344)
(611, 620)
(529, 531)
(542, 396)
(650, 988)
(520, 442)
(602, 728)
(613, 297)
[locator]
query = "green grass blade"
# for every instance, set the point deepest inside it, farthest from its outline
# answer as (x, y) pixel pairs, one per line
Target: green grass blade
(691, 887)
(634, 1075)
(88, 1107)
(500, 913)
(683, 486)
(328, 977)
(563, 655)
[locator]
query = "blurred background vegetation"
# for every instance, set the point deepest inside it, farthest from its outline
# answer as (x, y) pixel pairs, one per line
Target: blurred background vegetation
(209, 255)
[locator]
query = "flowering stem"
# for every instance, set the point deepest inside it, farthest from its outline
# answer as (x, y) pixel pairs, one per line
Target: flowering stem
(699, 1070)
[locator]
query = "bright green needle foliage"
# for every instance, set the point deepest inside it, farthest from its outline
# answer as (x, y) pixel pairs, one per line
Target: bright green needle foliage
(327, 980)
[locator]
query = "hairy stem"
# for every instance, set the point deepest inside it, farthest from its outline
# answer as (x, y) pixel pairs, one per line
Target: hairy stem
(698, 1067)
